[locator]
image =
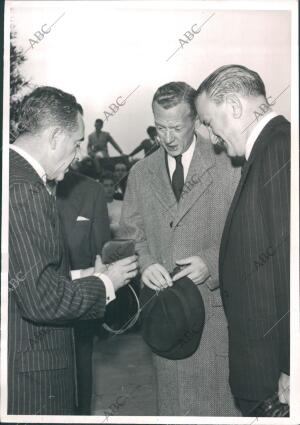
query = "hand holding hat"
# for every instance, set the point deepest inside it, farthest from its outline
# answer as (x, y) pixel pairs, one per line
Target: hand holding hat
(194, 268)
(173, 319)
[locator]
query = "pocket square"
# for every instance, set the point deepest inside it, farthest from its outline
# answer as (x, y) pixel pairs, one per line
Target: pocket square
(80, 218)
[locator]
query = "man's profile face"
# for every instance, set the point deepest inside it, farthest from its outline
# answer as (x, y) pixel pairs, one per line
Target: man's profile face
(175, 127)
(220, 123)
(65, 150)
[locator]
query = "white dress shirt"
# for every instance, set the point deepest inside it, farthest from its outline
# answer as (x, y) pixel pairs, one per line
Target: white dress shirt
(75, 274)
(185, 160)
(256, 132)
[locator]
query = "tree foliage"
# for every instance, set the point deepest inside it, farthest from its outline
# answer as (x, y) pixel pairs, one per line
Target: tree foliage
(17, 84)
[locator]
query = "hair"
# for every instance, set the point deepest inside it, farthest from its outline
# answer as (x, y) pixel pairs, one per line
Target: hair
(99, 121)
(232, 79)
(171, 94)
(107, 175)
(47, 106)
(152, 132)
(120, 163)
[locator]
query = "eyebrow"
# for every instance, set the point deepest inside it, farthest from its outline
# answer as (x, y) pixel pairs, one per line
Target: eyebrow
(170, 126)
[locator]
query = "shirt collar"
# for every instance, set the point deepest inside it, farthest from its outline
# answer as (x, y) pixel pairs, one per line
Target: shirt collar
(256, 132)
(32, 161)
(186, 159)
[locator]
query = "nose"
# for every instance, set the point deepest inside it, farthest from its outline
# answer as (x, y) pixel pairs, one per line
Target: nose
(213, 138)
(78, 153)
(169, 136)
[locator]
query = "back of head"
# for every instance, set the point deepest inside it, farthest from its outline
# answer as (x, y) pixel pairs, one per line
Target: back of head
(151, 130)
(46, 107)
(229, 79)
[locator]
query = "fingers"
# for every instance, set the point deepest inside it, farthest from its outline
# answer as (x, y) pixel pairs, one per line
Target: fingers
(165, 275)
(157, 277)
(184, 272)
(127, 260)
(151, 285)
(184, 261)
(132, 266)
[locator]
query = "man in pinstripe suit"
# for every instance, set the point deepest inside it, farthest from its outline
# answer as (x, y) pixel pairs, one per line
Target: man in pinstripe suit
(44, 297)
(254, 253)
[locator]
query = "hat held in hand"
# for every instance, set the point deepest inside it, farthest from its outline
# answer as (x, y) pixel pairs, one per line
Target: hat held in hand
(173, 320)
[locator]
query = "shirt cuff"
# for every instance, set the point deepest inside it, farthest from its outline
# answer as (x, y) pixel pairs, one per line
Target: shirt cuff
(109, 287)
(75, 274)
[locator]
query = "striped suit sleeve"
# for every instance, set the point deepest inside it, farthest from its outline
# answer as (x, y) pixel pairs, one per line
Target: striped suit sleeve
(275, 205)
(45, 293)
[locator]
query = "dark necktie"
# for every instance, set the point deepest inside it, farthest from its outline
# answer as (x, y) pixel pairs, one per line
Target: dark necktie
(178, 178)
(51, 187)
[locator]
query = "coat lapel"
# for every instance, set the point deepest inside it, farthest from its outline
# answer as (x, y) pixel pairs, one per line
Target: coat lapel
(257, 147)
(198, 178)
(161, 184)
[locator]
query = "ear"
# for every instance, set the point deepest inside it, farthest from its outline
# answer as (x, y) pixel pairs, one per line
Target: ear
(55, 135)
(235, 105)
(197, 123)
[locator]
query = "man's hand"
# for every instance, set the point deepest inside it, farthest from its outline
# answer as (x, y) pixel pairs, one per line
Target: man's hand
(156, 277)
(195, 269)
(122, 271)
(284, 388)
(99, 266)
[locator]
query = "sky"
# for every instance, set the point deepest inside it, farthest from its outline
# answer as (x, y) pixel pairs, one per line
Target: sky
(102, 51)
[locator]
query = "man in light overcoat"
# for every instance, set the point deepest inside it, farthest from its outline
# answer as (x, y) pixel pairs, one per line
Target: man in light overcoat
(175, 207)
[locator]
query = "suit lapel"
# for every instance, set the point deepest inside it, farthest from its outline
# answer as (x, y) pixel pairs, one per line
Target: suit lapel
(198, 178)
(261, 141)
(232, 209)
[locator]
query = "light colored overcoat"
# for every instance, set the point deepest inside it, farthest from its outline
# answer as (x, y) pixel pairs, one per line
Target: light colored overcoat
(166, 231)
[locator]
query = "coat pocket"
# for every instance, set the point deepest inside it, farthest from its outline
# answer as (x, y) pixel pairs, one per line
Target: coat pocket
(29, 361)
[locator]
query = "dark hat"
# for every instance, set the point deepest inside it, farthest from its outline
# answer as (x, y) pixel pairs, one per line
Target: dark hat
(173, 319)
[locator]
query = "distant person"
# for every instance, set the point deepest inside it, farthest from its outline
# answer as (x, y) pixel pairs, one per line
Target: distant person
(148, 145)
(98, 141)
(89, 167)
(120, 176)
(114, 206)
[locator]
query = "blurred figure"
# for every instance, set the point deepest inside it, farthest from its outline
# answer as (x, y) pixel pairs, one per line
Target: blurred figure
(148, 145)
(114, 206)
(98, 141)
(89, 167)
(83, 213)
(120, 176)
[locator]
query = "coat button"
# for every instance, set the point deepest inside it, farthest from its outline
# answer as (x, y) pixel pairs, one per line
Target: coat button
(225, 293)
(171, 224)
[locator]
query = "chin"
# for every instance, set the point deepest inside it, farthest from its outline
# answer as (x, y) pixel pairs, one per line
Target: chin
(60, 177)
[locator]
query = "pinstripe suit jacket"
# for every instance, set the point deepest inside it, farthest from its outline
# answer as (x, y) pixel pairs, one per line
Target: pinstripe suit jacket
(43, 300)
(166, 231)
(254, 266)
